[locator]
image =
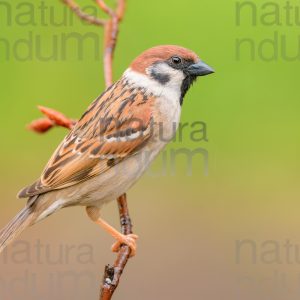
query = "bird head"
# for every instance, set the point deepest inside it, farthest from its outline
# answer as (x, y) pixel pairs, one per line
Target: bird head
(171, 66)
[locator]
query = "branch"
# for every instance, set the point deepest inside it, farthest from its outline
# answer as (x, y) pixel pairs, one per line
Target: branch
(105, 7)
(82, 15)
(112, 274)
(111, 30)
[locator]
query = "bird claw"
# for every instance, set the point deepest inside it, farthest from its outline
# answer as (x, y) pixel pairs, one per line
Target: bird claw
(129, 240)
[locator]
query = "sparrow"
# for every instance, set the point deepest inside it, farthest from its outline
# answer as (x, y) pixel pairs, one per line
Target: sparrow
(114, 142)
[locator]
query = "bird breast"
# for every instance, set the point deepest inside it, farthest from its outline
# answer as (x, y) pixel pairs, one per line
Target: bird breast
(166, 106)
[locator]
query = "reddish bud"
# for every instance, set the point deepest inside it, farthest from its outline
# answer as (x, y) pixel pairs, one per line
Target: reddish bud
(58, 118)
(41, 125)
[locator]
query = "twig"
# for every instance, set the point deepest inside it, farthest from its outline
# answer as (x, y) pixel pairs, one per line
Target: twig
(111, 30)
(82, 15)
(112, 274)
(105, 7)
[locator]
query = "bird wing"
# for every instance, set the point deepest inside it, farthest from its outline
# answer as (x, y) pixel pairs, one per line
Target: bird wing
(115, 126)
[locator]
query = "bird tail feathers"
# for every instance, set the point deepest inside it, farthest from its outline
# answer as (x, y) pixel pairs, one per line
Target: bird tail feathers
(16, 226)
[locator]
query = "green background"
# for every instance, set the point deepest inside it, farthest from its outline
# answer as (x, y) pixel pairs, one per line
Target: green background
(189, 226)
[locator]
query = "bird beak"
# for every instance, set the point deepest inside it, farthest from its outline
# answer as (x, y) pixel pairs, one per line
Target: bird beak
(200, 69)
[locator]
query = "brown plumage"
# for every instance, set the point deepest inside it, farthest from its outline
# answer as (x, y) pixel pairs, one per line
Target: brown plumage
(86, 150)
(114, 142)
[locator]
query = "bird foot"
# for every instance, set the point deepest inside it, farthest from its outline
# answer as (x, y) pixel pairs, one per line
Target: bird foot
(129, 240)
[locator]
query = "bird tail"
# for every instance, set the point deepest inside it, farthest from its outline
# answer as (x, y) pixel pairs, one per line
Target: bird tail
(16, 226)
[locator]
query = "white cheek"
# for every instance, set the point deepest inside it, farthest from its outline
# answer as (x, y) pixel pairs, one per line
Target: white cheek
(171, 89)
(176, 76)
(139, 80)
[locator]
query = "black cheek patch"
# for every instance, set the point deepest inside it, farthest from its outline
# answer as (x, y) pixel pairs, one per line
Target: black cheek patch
(161, 78)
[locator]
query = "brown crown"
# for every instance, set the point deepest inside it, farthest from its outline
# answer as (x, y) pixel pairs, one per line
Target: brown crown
(161, 53)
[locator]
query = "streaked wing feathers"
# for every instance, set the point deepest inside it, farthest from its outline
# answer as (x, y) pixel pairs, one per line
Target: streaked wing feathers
(114, 127)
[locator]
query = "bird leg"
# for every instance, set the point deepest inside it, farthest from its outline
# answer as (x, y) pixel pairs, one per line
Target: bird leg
(129, 240)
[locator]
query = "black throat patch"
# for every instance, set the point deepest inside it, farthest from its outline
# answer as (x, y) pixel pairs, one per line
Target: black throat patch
(186, 84)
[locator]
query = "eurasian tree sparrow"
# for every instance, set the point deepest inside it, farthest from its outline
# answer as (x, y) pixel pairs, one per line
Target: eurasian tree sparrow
(114, 142)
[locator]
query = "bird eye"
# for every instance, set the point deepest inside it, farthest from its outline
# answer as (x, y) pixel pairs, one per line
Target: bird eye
(176, 60)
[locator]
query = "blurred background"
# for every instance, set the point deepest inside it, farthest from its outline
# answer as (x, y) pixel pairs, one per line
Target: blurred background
(224, 225)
